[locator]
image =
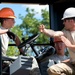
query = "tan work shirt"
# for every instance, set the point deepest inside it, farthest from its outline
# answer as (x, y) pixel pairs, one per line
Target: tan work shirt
(71, 36)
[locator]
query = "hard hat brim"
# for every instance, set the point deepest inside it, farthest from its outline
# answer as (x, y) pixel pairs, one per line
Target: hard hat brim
(7, 17)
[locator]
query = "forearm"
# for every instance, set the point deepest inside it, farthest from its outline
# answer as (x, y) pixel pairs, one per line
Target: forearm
(71, 47)
(68, 43)
(18, 42)
(52, 33)
(49, 32)
(3, 31)
(67, 60)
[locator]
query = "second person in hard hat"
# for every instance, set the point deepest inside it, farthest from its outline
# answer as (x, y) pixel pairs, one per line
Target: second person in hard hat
(67, 35)
(57, 57)
(60, 51)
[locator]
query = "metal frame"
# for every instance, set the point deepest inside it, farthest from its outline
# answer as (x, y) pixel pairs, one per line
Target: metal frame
(0, 58)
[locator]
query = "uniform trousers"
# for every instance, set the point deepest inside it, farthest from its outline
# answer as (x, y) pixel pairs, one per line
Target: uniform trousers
(66, 68)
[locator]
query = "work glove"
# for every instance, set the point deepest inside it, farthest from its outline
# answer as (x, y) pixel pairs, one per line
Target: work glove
(11, 35)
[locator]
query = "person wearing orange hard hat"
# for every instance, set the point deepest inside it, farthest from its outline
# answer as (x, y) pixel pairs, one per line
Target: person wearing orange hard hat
(7, 20)
(57, 57)
(60, 52)
(59, 46)
(1, 16)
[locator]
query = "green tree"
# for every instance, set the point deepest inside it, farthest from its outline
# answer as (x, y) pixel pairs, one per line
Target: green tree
(30, 25)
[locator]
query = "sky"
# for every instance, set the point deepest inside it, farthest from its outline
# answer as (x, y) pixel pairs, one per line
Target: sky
(20, 9)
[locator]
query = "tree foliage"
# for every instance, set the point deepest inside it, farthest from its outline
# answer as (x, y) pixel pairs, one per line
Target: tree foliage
(30, 25)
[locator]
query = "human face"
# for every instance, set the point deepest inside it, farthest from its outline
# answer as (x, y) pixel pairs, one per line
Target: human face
(69, 24)
(60, 47)
(9, 23)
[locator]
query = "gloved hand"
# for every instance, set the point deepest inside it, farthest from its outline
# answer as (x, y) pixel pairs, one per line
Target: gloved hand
(11, 35)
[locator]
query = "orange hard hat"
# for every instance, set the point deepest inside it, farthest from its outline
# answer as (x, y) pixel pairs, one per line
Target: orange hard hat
(56, 39)
(7, 13)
